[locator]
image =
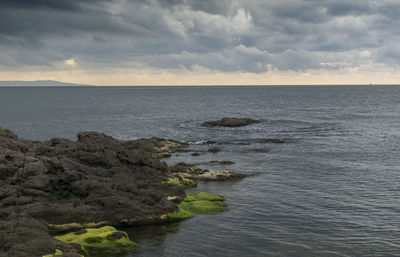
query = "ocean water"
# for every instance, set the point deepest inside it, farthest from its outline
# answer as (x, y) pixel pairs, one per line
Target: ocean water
(333, 189)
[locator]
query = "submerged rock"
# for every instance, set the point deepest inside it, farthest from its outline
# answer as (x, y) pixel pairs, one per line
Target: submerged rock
(270, 141)
(230, 122)
(214, 150)
(219, 175)
(226, 162)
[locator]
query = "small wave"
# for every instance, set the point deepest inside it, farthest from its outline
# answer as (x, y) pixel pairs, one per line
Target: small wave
(203, 142)
(261, 150)
(249, 141)
(289, 122)
(320, 129)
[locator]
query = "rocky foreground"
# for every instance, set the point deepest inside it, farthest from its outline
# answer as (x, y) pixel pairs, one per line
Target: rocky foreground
(96, 181)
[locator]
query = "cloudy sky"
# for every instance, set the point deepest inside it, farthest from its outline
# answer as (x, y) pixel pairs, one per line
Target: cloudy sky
(166, 42)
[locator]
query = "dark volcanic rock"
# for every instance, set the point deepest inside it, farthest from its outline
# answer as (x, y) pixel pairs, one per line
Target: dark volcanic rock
(156, 147)
(80, 232)
(97, 180)
(21, 235)
(116, 235)
(230, 122)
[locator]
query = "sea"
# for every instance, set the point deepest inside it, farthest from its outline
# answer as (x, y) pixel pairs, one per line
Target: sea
(332, 189)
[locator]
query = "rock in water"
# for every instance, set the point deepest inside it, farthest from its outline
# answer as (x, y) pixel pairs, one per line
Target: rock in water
(94, 181)
(189, 171)
(230, 122)
(156, 147)
(214, 150)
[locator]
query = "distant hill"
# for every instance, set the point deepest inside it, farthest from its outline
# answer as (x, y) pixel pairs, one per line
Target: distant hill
(39, 83)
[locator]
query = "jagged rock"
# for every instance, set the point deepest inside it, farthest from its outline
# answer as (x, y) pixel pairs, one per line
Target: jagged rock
(95, 181)
(156, 147)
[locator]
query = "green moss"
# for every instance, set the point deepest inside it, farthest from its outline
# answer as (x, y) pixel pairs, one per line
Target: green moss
(204, 197)
(179, 215)
(183, 182)
(99, 242)
(203, 203)
(200, 203)
(203, 207)
(58, 252)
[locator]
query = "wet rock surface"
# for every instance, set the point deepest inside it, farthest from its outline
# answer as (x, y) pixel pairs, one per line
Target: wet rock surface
(94, 181)
(21, 235)
(230, 122)
(156, 147)
(190, 171)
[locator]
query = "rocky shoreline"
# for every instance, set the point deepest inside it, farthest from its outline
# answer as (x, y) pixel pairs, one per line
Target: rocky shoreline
(57, 186)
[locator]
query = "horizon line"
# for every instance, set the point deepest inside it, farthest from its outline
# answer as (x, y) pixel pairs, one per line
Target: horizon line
(182, 85)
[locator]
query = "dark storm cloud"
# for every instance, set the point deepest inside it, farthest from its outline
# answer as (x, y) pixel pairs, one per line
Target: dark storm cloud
(225, 35)
(70, 5)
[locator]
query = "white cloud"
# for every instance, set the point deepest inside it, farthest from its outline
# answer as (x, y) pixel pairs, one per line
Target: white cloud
(71, 63)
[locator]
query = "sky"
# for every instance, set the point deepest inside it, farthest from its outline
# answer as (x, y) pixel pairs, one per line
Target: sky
(201, 42)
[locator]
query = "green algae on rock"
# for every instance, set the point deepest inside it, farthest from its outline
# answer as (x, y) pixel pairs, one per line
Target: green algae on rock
(182, 182)
(203, 207)
(58, 252)
(198, 203)
(203, 196)
(203, 203)
(179, 215)
(100, 241)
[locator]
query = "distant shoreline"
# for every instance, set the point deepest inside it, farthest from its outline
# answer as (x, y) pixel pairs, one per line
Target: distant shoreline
(51, 83)
(40, 83)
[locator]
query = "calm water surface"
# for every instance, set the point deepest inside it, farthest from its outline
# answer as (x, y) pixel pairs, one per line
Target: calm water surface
(332, 190)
